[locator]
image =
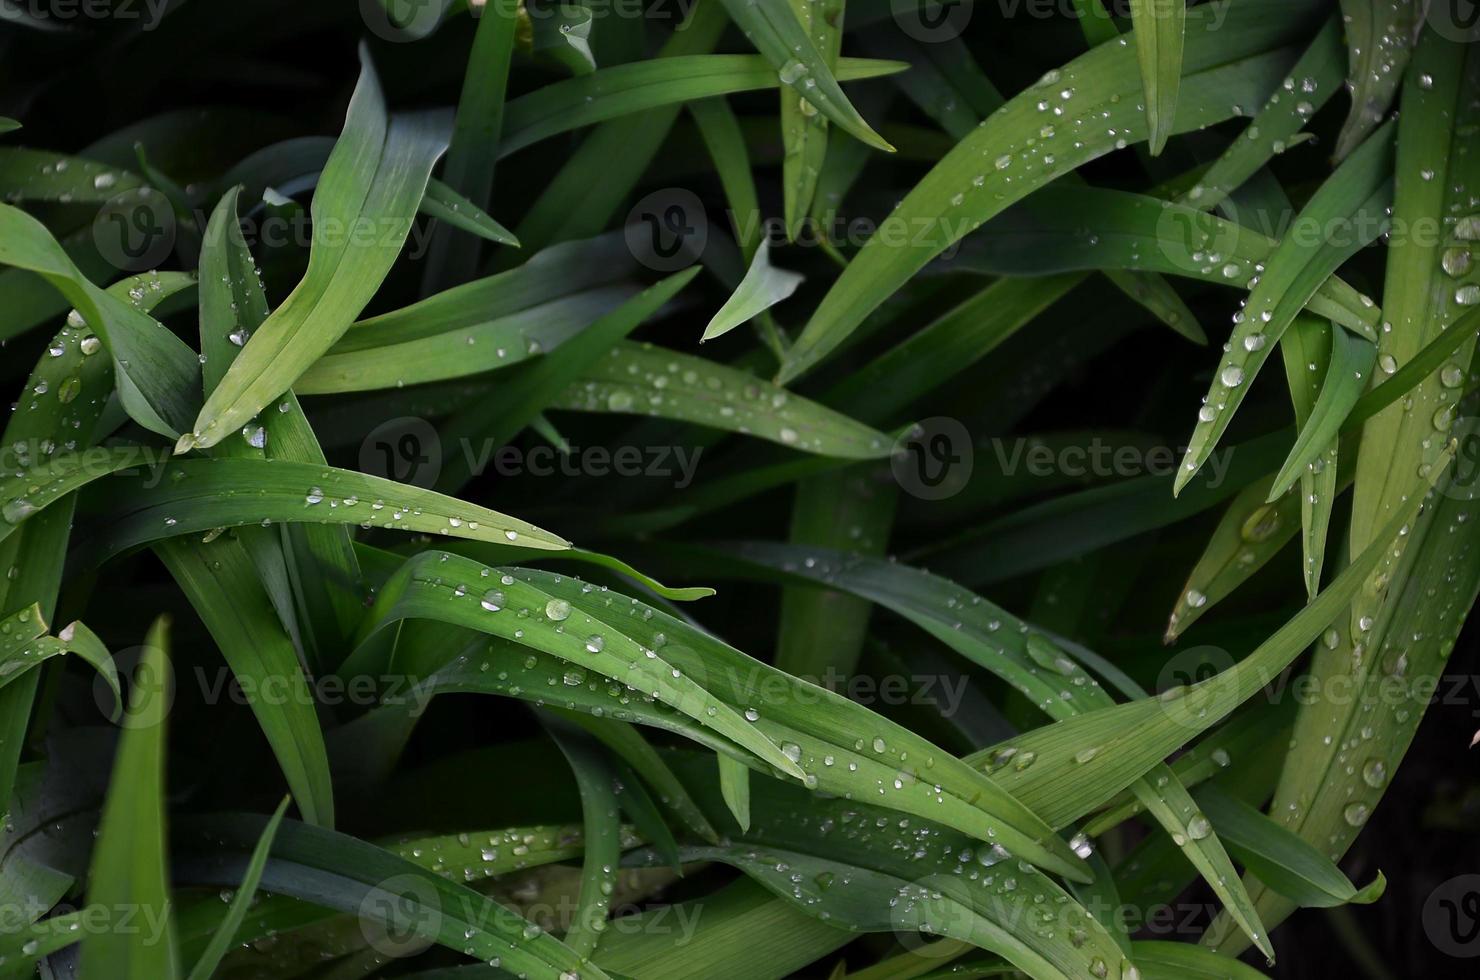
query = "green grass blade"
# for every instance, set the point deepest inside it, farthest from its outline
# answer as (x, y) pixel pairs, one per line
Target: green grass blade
(763, 287)
(773, 27)
(1337, 787)
(1359, 193)
(996, 166)
(1380, 35)
(734, 786)
(1306, 349)
(385, 890)
(201, 495)
(221, 940)
(476, 129)
(1313, 80)
(446, 204)
(1282, 860)
(803, 129)
(495, 420)
(627, 89)
(128, 864)
(643, 379)
(1159, 33)
(376, 177)
(603, 834)
(220, 579)
(159, 385)
(1349, 374)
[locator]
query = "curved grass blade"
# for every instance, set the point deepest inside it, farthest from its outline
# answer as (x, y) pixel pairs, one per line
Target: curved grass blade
(221, 940)
(1314, 79)
(423, 589)
(36, 429)
(202, 495)
(763, 287)
(1280, 858)
(158, 377)
(734, 786)
(473, 151)
(1131, 738)
(866, 873)
(497, 342)
(643, 379)
(603, 833)
(803, 130)
(1355, 199)
(823, 631)
(1306, 349)
(221, 581)
(1045, 234)
(601, 173)
(128, 863)
(870, 756)
(1380, 35)
(376, 177)
(1028, 660)
(446, 204)
(1433, 577)
(349, 875)
(782, 40)
(21, 650)
(996, 165)
(1183, 961)
(1251, 532)
(627, 89)
(1159, 31)
(1349, 374)
(492, 421)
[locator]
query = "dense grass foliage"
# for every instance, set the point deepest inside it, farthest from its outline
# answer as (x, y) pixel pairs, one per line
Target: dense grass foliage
(738, 488)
